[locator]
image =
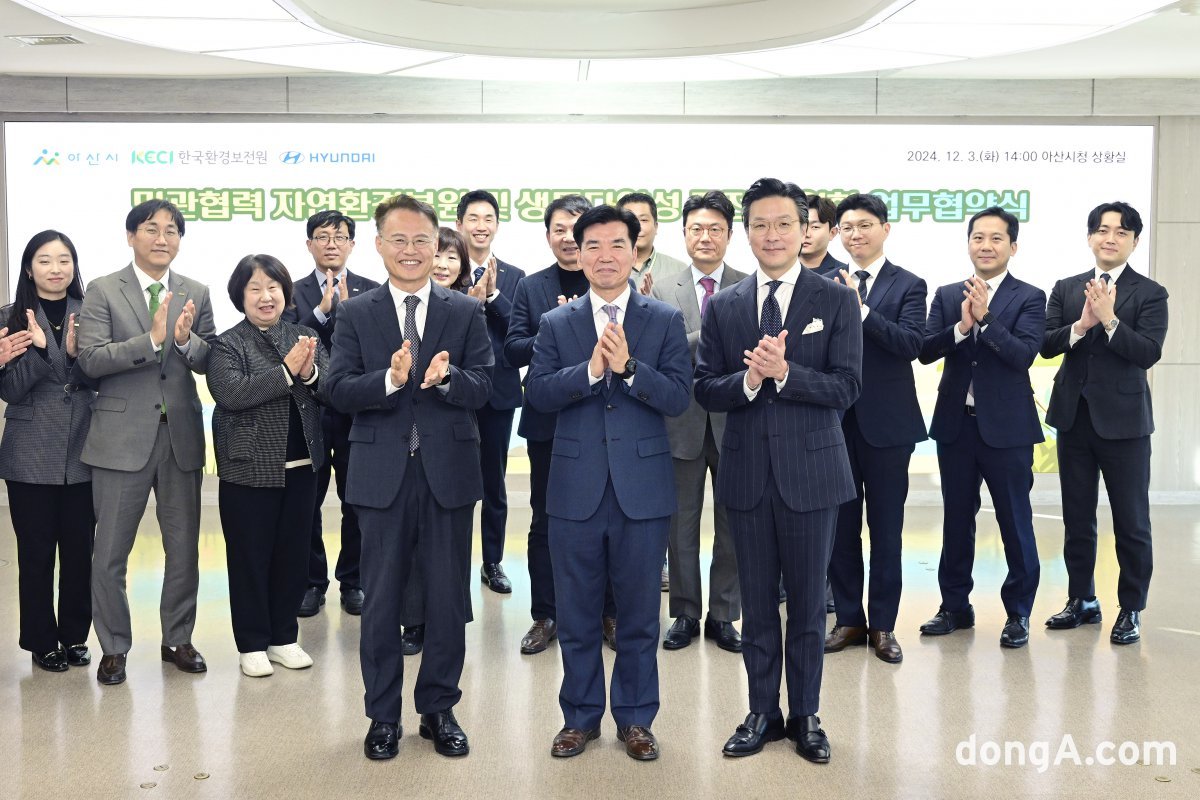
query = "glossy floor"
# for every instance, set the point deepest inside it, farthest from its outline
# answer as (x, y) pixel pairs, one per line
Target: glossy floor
(896, 731)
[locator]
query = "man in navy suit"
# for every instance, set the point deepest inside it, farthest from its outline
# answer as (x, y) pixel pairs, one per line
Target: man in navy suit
(411, 362)
(315, 302)
(882, 429)
(494, 283)
(780, 352)
(988, 329)
(611, 364)
(814, 252)
(1109, 325)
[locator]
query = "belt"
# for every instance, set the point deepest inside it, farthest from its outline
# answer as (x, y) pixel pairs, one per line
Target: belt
(970, 411)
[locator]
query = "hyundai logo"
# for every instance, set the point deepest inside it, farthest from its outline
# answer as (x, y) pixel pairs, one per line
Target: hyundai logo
(292, 157)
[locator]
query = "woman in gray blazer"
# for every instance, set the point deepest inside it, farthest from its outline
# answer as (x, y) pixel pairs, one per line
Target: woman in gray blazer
(45, 425)
(266, 377)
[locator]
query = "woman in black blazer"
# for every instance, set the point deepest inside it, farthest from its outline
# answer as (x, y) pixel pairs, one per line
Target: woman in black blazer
(266, 377)
(45, 425)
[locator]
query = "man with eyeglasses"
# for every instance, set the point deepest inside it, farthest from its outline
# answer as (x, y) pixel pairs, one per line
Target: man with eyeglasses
(881, 432)
(814, 252)
(780, 354)
(147, 431)
(649, 260)
(316, 300)
(411, 362)
(695, 439)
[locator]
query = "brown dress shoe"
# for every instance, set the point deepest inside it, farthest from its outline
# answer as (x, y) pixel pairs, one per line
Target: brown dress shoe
(185, 657)
(843, 636)
(541, 633)
(111, 670)
(572, 741)
(886, 647)
(610, 633)
(640, 743)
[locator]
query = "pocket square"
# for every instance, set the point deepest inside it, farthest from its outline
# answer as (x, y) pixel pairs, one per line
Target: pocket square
(813, 327)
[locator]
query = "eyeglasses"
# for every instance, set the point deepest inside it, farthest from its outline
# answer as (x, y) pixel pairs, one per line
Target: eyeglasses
(781, 226)
(153, 232)
(402, 242)
(713, 231)
(324, 239)
(863, 227)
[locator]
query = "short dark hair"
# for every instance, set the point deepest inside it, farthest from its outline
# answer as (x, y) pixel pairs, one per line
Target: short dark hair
(1011, 222)
(822, 208)
(449, 238)
(271, 266)
(639, 197)
(862, 202)
(714, 201)
(142, 212)
(1131, 220)
(404, 202)
(25, 296)
(602, 215)
(330, 219)
(773, 187)
(573, 204)
(477, 196)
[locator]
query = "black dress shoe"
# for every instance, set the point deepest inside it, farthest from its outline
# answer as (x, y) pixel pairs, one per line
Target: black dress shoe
(811, 741)
(1128, 627)
(412, 641)
(681, 633)
(724, 634)
(185, 658)
(78, 655)
(352, 601)
(53, 661)
(1077, 612)
(448, 738)
(493, 575)
(111, 670)
(609, 626)
(383, 741)
(944, 621)
(1016, 632)
(314, 598)
(749, 737)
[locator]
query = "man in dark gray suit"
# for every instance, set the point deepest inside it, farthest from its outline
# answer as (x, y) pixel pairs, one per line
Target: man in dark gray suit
(695, 440)
(147, 430)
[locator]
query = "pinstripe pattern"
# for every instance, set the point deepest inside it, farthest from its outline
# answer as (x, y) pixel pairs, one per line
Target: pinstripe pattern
(250, 423)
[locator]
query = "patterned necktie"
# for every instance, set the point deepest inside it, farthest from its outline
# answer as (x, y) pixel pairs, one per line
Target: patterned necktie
(414, 347)
(612, 317)
(710, 286)
(477, 275)
(863, 276)
(334, 300)
(771, 322)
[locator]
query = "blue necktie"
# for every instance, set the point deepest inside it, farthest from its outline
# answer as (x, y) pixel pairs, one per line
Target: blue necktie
(771, 323)
(414, 346)
(863, 276)
(477, 274)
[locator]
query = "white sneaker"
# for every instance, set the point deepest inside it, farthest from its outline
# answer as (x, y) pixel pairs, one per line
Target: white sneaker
(290, 656)
(255, 665)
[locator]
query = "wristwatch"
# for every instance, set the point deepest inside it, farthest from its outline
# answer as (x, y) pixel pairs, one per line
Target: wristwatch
(986, 319)
(1112, 324)
(628, 372)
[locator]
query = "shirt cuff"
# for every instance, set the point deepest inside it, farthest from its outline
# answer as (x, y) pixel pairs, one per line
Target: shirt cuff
(311, 378)
(592, 381)
(779, 382)
(959, 336)
(319, 315)
(287, 376)
(1075, 337)
(492, 297)
(388, 388)
(750, 393)
(183, 348)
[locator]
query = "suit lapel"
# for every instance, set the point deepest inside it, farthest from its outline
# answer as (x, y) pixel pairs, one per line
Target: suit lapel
(883, 283)
(386, 317)
(435, 320)
(635, 319)
(581, 322)
(685, 300)
(1126, 287)
(805, 294)
(747, 317)
(179, 296)
(52, 347)
(1003, 296)
(132, 290)
(551, 287)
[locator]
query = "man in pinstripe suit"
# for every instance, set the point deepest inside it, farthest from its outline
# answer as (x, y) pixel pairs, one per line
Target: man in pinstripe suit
(781, 353)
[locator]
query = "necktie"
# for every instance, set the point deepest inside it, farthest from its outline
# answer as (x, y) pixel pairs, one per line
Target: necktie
(336, 283)
(477, 275)
(155, 289)
(771, 322)
(1104, 276)
(863, 276)
(612, 317)
(414, 346)
(709, 287)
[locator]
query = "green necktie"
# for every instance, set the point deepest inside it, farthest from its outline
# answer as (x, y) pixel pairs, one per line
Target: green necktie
(155, 289)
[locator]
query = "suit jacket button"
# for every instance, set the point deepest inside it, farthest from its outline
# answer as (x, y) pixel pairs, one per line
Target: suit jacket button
(770, 400)
(974, 363)
(643, 396)
(162, 377)
(158, 406)
(609, 407)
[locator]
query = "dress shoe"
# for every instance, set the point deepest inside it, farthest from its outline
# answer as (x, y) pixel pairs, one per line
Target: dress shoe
(1016, 632)
(664, 578)
(749, 737)
(1077, 612)
(53, 661)
(830, 607)
(782, 593)
(383, 741)
(255, 664)
(352, 601)
(185, 658)
(610, 633)
(945, 622)
(78, 655)
(111, 670)
(640, 743)
(724, 634)
(412, 641)
(314, 598)
(681, 633)
(541, 633)
(885, 646)
(811, 741)
(1128, 627)
(572, 741)
(843, 636)
(448, 738)
(493, 575)
(291, 656)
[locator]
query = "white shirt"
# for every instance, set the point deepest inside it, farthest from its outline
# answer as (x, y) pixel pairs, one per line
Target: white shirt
(1114, 274)
(398, 298)
(717, 274)
(145, 281)
(783, 296)
(872, 268)
(341, 277)
(601, 320)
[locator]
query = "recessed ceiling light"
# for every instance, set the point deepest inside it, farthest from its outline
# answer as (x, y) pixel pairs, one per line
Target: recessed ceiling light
(35, 40)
